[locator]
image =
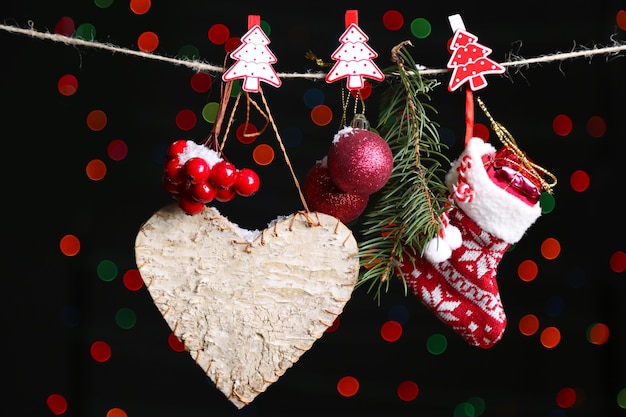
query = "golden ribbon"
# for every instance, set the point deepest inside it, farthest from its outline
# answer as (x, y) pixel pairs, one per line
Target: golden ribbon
(538, 172)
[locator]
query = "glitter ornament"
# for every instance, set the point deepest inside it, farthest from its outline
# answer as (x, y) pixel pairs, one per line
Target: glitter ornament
(359, 161)
(322, 195)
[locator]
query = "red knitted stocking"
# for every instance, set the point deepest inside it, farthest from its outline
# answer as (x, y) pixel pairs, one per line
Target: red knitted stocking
(463, 291)
(494, 204)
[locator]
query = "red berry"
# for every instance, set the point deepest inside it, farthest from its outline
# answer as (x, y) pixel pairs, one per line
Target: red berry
(189, 205)
(223, 174)
(225, 194)
(176, 148)
(203, 192)
(197, 170)
(169, 186)
(247, 182)
(174, 171)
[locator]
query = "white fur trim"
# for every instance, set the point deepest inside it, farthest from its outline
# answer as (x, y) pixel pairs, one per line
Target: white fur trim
(437, 250)
(452, 236)
(495, 210)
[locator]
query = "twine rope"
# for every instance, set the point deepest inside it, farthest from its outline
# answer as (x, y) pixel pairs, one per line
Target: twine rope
(200, 66)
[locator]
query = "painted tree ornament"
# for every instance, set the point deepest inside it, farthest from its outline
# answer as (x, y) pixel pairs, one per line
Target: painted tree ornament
(254, 59)
(246, 304)
(321, 194)
(359, 161)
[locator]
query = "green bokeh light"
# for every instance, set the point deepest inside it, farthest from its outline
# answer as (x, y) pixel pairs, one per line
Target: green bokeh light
(190, 52)
(464, 409)
(107, 270)
(621, 398)
(437, 344)
(209, 111)
(86, 32)
(125, 318)
(103, 4)
(547, 202)
(478, 404)
(420, 28)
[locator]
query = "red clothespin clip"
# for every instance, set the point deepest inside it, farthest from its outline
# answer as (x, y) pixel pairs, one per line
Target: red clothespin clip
(355, 58)
(254, 59)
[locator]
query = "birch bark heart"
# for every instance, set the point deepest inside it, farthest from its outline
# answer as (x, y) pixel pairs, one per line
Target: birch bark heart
(246, 309)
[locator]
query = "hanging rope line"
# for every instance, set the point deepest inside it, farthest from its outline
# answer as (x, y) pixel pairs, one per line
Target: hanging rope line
(199, 66)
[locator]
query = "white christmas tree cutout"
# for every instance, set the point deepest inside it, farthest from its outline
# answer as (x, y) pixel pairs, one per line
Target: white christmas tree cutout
(354, 57)
(254, 59)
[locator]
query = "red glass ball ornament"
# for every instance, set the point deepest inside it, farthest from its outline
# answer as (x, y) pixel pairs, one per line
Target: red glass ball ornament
(247, 182)
(321, 194)
(359, 161)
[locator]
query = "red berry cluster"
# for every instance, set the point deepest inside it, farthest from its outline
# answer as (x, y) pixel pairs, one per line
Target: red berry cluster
(196, 175)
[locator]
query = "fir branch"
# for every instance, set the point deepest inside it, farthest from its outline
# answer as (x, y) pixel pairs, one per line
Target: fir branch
(406, 214)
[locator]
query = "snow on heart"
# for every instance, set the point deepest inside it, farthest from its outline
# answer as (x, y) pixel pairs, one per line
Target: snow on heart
(246, 305)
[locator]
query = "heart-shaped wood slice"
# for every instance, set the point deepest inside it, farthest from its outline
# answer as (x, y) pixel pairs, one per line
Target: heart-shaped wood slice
(246, 305)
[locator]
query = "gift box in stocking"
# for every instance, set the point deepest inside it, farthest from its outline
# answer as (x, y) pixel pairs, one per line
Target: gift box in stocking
(494, 200)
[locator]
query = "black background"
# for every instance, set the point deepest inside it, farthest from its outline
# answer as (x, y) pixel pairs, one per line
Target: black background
(47, 195)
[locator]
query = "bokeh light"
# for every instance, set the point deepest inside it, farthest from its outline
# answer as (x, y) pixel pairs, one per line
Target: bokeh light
(96, 169)
(174, 343)
(263, 154)
(420, 28)
(528, 325)
(550, 337)
(86, 32)
(598, 333)
(69, 245)
(132, 280)
(527, 270)
(436, 344)
(246, 133)
(148, 41)
(116, 412)
(96, 120)
(218, 33)
(620, 20)
(125, 318)
(348, 386)
(566, 397)
(65, 26)
(313, 97)
(481, 131)
(100, 351)
(117, 150)
(617, 261)
(335, 326)
(596, 126)
(210, 110)
(391, 331)
(579, 180)
(547, 202)
(103, 4)
(107, 270)
(408, 390)
(67, 85)
(550, 248)
(140, 7)
(393, 20)
(562, 125)
(621, 395)
(321, 115)
(57, 404)
(201, 82)
(186, 119)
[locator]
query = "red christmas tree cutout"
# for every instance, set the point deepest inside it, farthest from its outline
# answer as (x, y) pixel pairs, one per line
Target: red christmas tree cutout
(354, 57)
(254, 59)
(469, 62)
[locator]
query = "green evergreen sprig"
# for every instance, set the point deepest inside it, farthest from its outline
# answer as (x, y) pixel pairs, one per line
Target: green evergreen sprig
(406, 212)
